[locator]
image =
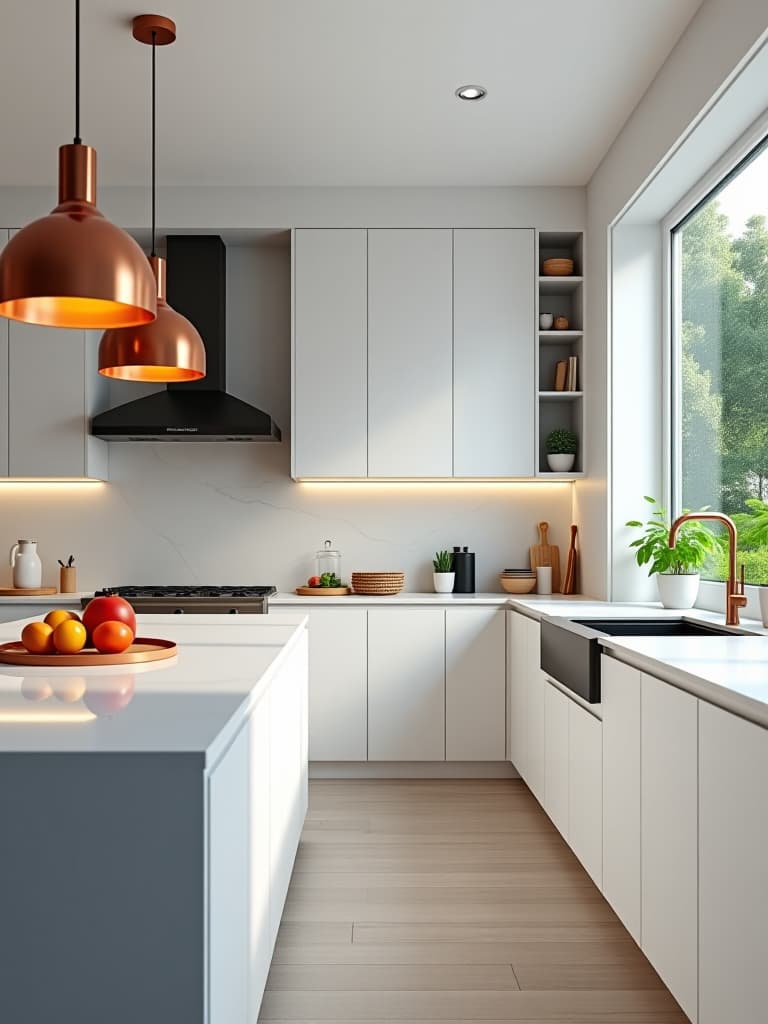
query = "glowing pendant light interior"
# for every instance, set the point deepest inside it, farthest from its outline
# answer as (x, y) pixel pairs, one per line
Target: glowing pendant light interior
(74, 268)
(170, 348)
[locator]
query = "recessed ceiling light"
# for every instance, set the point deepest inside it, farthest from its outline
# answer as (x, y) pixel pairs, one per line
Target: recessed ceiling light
(471, 92)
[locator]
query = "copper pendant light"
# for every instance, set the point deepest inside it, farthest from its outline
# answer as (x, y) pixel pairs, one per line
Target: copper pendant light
(170, 348)
(74, 268)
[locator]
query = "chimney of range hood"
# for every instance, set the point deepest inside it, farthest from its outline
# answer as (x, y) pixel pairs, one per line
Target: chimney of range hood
(200, 410)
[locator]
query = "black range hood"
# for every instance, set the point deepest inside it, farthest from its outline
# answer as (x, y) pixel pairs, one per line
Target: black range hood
(201, 410)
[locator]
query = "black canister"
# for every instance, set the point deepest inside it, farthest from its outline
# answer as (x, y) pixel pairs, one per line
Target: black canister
(464, 567)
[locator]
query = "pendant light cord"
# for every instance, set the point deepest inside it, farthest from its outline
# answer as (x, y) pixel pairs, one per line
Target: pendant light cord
(154, 135)
(77, 139)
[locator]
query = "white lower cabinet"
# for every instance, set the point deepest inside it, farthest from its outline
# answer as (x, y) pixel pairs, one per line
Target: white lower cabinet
(475, 684)
(517, 691)
(536, 685)
(556, 757)
(406, 684)
(733, 868)
(585, 789)
(620, 685)
(338, 684)
(669, 837)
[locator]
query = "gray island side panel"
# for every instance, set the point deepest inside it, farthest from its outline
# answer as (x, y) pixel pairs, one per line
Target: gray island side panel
(102, 888)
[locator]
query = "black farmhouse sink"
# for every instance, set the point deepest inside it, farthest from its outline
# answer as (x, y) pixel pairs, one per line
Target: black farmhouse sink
(570, 648)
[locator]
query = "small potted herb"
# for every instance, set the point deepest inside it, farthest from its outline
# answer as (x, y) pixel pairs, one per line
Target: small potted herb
(443, 577)
(676, 569)
(561, 447)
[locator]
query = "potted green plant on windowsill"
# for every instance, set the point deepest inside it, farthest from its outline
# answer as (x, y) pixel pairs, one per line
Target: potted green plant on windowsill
(561, 447)
(677, 569)
(443, 577)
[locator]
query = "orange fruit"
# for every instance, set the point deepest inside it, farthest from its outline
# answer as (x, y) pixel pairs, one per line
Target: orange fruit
(37, 637)
(53, 618)
(112, 637)
(69, 636)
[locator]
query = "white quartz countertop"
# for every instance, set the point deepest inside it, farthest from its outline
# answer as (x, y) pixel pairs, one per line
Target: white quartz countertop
(729, 671)
(400, 599)
(192, 703)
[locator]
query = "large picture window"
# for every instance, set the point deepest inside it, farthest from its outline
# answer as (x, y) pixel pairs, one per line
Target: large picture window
(720, 338)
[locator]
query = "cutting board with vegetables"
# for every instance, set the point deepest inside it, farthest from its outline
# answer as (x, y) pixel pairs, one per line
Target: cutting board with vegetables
(322, 591)
(569, 584)
(545, 553)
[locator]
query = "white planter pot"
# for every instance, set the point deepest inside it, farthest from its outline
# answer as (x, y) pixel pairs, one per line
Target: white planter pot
(678, 590)
(764, 605)
(443, 582)
(561, 463)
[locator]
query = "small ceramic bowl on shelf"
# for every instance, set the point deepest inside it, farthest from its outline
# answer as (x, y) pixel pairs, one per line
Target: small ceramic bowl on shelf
(517, 584)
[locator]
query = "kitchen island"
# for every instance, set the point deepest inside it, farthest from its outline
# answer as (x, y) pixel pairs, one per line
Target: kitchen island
(150, 819)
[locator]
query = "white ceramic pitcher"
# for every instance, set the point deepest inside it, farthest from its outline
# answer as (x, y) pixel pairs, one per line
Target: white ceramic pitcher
(26, 565)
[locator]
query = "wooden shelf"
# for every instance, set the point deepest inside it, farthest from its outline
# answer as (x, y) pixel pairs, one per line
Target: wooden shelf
(559, 285)
(553, 337)
(561, 396)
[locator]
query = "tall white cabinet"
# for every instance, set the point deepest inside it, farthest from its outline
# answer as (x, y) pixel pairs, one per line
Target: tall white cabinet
(475, 682)
(330, 401)
(494, 412)
(409, 353)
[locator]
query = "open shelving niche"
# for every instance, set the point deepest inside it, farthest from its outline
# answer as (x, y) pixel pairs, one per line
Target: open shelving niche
(559, 296)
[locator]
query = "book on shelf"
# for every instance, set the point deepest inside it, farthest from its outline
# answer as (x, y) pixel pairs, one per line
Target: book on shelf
(561, 375)
(571, 377)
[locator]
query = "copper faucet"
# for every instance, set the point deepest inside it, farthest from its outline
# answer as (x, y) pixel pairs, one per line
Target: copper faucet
(735, 597)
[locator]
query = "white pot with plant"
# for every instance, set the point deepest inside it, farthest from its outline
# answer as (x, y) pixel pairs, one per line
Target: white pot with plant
(677, 570)
(443, 577)
(561, 447)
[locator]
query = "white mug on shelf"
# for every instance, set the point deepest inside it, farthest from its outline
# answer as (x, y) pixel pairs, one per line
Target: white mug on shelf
(545, 321)
(544, 579)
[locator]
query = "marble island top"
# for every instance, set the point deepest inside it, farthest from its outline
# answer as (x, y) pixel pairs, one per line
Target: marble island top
(191, 703)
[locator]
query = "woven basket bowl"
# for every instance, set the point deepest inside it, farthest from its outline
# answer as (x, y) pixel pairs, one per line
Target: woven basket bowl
(381, 583)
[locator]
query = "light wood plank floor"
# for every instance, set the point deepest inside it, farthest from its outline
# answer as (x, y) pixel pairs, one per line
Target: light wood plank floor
(451, 901)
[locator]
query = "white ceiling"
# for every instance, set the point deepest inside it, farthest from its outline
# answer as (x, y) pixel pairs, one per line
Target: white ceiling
(334, 92)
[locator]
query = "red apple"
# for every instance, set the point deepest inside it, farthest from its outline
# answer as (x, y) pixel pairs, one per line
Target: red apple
(108, 609)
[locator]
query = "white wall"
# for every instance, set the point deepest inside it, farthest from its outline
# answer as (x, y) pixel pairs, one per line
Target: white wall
(218, 513)
(718, 41)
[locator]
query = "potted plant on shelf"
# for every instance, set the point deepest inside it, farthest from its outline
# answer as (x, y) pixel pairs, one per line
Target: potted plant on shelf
(561, 447)
(443, 577)
(676, 569)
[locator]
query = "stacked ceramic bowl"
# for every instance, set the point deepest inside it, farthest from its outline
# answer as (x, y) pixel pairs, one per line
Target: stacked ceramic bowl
(381, 584)
(517, 581)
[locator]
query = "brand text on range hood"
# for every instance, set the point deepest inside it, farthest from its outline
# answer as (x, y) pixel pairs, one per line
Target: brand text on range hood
(201, 410)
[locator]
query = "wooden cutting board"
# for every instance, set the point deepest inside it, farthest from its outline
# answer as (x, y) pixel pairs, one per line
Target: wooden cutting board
(27, 591)
(545, 553)
(569, 584)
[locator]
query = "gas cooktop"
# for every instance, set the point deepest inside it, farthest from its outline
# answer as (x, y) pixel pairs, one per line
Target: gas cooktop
(200, 599)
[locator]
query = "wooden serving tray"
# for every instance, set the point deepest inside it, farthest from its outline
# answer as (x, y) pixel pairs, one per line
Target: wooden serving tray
(322, 591)
(27, 591)
(141, 650)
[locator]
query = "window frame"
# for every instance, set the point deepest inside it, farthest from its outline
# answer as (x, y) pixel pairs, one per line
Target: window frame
(727, 167)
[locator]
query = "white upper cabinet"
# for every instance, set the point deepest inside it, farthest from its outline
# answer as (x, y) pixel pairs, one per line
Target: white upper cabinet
(329, 353)
(54, 389)
(475, 700)
(494, 344)
(410, 403)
